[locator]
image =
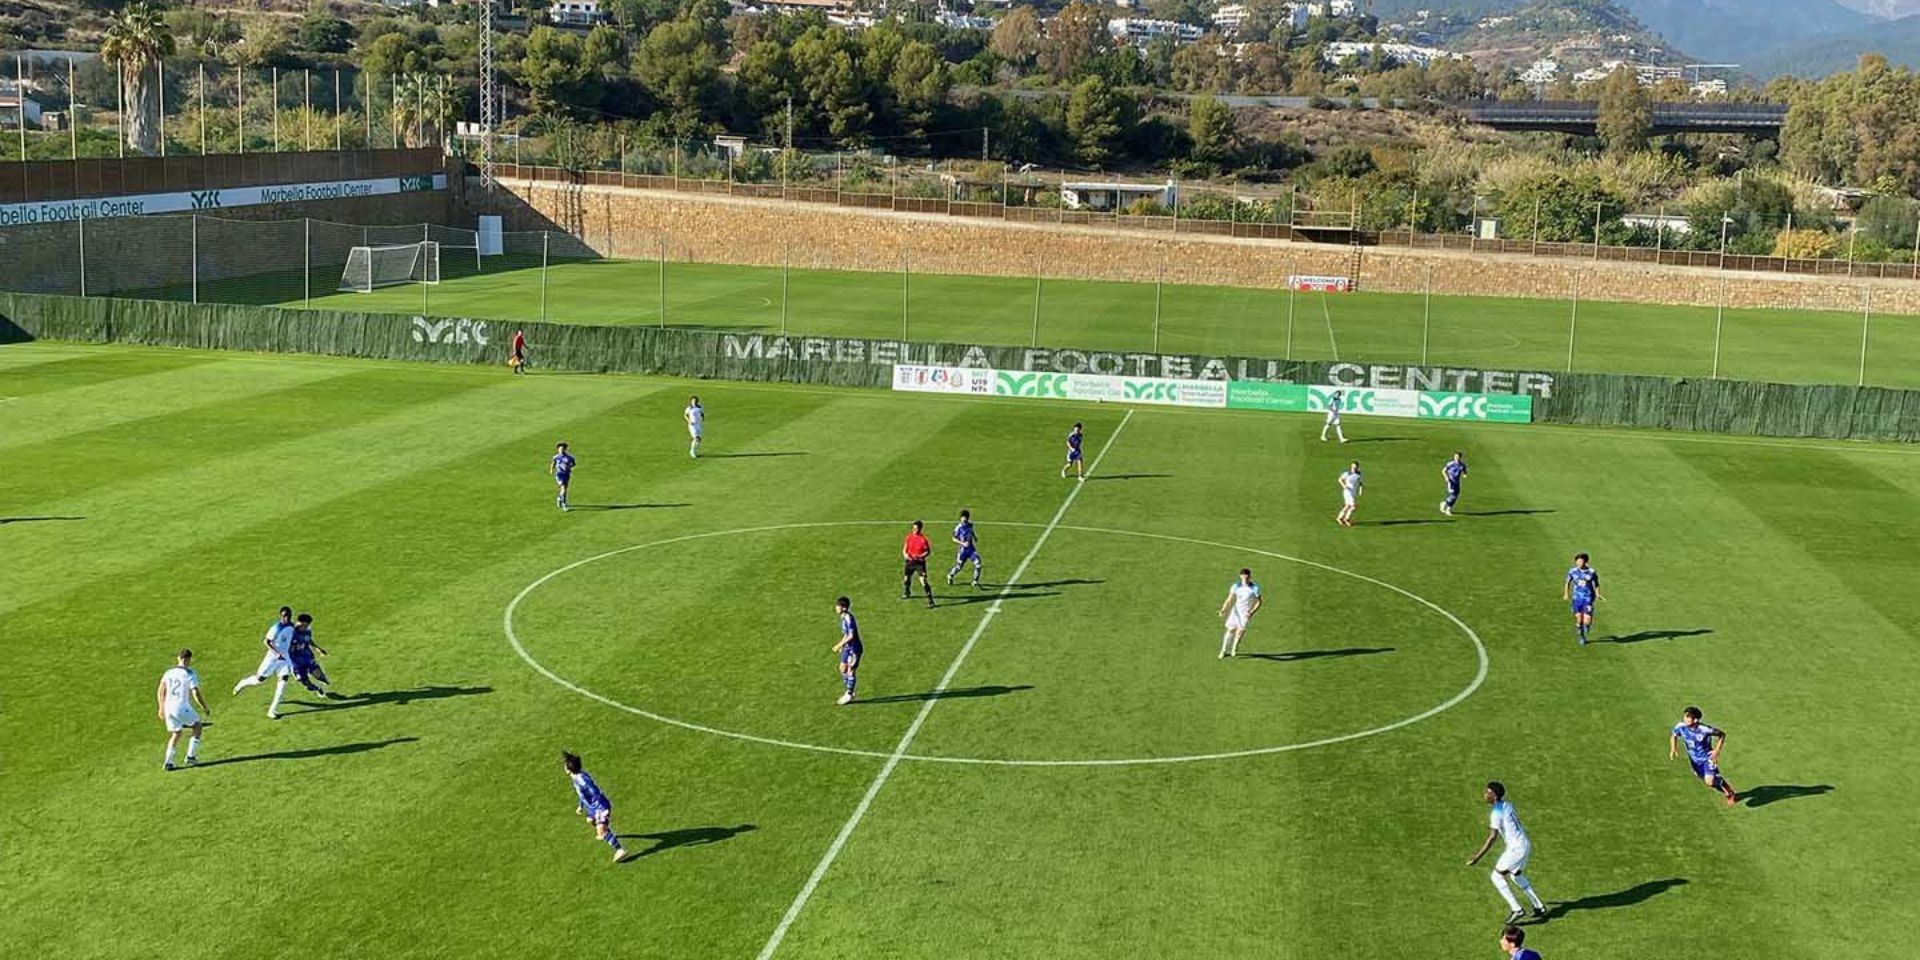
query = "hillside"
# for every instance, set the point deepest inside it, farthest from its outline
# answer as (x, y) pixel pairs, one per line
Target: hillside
(77, 25)
(1898, 40)
(1890, 9)
(1744, 31)
(1577, 33)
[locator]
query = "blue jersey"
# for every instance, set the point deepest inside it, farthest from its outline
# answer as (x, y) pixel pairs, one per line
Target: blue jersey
(1698, 740)
(301, 648)
(1585, 581)
(1455, 469)
(964, 535)
(562, 464)
(1527, 953)
(1073, 445)
(591, 799)
(849, 627)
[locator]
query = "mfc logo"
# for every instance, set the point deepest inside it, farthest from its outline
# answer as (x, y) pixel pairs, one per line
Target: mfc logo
(1454, 408)
(1151, 392)
(206, 199)
(449, 331)
(1358, 401)
(1031, 385)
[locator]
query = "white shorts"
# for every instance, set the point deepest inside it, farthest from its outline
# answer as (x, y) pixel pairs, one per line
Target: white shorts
(1236, 620)
(1347, 495)
(181, 719)
(1513, 860)
(274, 664)
(693, 431)
(1333, 417)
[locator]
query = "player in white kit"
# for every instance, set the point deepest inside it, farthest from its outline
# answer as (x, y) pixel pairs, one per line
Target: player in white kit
(1350, 488)
(1243, 601)
(696, 417)
(275, 662)
(177, 698)
(1504, 824)
(1335, 402)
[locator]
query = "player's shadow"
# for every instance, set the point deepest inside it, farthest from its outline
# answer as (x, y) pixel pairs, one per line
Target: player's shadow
(753, 454)
(5, 520)
(1400, 523)
(1295, 656)
(1379, 439)
(337, 749)
(951, 693)
(1630, 897)
(1128, 476)
(685, 837)
(1775, 792)
(386, 696)
(1502, 513)
(1014, 591)
(628, 506)
(1646, 635)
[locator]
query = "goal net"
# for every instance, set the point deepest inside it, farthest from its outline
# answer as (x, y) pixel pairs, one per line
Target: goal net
(371, 267)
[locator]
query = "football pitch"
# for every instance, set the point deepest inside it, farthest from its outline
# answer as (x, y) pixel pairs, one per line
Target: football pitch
(1786, 346)
(1056, 765)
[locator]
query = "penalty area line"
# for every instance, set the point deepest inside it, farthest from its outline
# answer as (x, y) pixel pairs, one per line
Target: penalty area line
(913, 729)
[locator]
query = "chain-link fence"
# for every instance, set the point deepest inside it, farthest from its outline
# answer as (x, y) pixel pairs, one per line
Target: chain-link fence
(1836, 332)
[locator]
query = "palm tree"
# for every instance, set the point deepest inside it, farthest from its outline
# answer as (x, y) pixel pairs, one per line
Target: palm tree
(422, 103)
(137, 40)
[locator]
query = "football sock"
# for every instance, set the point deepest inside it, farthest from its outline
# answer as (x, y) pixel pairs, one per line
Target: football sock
(169, 760)
(1500, 884)
(193, 748)
(851, 680)
(279, 690)
(1226, 641)
(1526, 886)
(613, 839)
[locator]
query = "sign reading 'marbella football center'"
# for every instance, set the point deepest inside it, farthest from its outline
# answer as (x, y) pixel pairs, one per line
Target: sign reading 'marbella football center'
(195, 201)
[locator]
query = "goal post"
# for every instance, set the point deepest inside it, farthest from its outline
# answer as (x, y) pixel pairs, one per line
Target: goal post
(370, 268)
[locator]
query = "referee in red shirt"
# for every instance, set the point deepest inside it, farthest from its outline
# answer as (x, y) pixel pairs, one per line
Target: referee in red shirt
(916, 551)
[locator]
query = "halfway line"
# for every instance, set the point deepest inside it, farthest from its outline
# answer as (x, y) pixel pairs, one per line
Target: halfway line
(913, 729)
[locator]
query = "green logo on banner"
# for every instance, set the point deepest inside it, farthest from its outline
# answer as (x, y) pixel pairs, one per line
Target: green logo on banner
(1150, 391)
(1049, 385)
(1357, 401)
(1278, 397)
(1491, 407)
(415, 184)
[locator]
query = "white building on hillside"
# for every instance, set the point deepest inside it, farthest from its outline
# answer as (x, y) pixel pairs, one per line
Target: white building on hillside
(1114, 195)
(1141, 32)
(1340, 51)
(11, 104)
(1541, 73)
(577, 13)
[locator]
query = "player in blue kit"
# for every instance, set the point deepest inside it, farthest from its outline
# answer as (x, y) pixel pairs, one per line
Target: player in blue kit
(594, 805)
(849, 649)
(306, 666)
(1451, 473)
(1074, 459)
(1580, 591)
(969, 549)
(1703, 743)
(562, 470)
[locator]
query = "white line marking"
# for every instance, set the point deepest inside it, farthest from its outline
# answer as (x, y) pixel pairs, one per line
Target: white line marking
(1480, 655)
(1325, 312)
(913, 729)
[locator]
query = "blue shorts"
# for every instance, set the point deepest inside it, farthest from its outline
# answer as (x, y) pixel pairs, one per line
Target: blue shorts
(1073, 456)
(850, 654)
(304, 665)
(1705, 768)
(1583, 605)
(562, 478)
(599, 814)
(966, 553)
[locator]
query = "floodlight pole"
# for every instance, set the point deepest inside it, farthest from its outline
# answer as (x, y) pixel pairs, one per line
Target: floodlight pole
(543, 276)
(83, 252)
(273, 109)
(663, 260)
(306, 260)
(73, 116)
(1293, 294)
(1159, 281)
(20, 83)
(906, 293)
(160, 71)
(336, 110)
(120, 109)
(196, 257)
(200, 95)
(786, 280)
(240, 108)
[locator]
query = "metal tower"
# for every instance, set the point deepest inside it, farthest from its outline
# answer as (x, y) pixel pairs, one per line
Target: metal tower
(489, 94)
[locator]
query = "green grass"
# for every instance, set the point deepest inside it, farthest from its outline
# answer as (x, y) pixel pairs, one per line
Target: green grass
(1797, 346)
(155, 499)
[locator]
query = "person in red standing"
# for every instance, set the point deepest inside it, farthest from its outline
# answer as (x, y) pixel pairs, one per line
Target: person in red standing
(916, 550)
(519, 359)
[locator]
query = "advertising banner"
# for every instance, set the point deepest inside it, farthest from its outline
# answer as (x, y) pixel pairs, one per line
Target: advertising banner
(196, 201)
(1312, 284)
(914, 378)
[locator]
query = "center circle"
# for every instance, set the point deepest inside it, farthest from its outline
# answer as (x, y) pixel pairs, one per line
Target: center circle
(1466, 631)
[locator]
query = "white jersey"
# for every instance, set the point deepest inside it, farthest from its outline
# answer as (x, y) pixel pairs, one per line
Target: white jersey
(279, 636)
(696, 417)
(1350, 483)
(1243, 594)
(1504, 821)
(178, 684)
(1333, 409)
